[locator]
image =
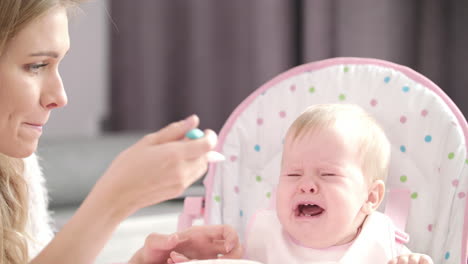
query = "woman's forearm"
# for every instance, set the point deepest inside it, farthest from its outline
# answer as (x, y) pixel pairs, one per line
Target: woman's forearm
(85, 234)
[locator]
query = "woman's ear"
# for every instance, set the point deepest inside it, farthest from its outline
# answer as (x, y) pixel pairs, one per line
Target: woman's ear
(375, 196)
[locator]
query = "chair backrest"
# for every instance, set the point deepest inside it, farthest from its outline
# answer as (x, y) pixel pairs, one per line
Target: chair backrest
(427, 131)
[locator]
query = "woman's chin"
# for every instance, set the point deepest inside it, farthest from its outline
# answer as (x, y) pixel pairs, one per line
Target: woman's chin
(23, 151)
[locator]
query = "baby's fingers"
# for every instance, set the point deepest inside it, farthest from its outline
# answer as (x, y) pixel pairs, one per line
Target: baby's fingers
(175, 257)
(399, 260)
(235, 253)
(425, 259)
(412, 259)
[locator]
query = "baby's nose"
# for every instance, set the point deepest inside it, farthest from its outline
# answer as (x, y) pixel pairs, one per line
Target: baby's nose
(308, 186)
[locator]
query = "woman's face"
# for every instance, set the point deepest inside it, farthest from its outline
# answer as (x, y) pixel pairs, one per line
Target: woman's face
(30, 83)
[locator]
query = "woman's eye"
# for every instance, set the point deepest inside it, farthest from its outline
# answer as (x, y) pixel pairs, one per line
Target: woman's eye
(35, 67)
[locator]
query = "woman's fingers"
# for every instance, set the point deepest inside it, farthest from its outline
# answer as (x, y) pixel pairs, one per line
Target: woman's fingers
(194, 169)
(157, 241)
(195, 148)
(173, 131)
(210, 232)
(223, 238)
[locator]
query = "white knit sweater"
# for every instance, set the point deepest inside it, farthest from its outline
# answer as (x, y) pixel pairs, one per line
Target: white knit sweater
(39, 224)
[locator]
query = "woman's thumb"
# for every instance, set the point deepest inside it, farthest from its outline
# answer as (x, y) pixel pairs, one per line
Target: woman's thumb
(173, 131)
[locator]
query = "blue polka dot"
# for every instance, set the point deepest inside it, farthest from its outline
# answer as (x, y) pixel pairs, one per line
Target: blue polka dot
(241, 213)
(405, 89)
(402, 148)
(257, 148)
(447, 255)
(428, 138)
(386, 79)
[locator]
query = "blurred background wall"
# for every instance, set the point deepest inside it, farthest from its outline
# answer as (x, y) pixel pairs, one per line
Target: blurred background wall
(173, 58)
(134, 66)
(138, 65)
(85, 73)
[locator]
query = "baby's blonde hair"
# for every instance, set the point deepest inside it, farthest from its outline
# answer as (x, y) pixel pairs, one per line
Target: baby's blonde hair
(374, 146)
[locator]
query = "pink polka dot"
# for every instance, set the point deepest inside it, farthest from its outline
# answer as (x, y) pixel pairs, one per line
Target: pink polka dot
(429, 228)
(259, 121)
(461, 195)
(424, 112)
(233, 158)
(282, 114)
(455, 183)
(292, 88)
(373, 102)
(236, 189)
(403, 119)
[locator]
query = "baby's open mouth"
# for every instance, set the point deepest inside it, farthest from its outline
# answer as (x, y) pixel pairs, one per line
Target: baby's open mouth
(309, 210)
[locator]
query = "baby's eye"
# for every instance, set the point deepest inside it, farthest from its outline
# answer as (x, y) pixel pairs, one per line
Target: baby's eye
(293, 175)
(328, 174)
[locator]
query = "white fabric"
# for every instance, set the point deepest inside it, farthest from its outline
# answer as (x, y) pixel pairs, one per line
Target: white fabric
(268, 243)
(428, 150)
(39, 224)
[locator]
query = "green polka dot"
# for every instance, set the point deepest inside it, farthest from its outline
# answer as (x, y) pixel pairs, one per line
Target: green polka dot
(259, 178)
(466, 161)
(312, 89)
(403, 178)
(414, 195)
(346, 69)
(342, 97)
(217, 198)
(451, 155)
(268, 195)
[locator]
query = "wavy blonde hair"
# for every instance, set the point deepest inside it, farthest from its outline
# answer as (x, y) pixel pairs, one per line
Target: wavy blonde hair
(13, 211)
(14, 201)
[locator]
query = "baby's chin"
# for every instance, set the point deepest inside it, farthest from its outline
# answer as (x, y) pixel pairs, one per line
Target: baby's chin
(315, 244)
(319, 243)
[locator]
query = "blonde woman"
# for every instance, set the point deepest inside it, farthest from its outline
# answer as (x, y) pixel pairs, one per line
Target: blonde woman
(33, 40)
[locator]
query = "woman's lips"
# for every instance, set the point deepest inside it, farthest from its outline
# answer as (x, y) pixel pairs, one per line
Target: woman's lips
(37, 127)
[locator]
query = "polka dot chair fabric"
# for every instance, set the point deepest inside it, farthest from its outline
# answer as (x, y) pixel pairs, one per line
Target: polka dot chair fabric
(427, 132)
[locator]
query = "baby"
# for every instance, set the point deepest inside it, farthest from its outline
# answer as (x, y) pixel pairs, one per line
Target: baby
(335, 160)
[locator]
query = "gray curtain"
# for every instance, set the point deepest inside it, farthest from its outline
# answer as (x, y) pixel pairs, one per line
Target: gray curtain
(172, 58)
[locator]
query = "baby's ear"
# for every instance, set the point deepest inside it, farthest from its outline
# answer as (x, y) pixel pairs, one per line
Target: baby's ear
(375, 196)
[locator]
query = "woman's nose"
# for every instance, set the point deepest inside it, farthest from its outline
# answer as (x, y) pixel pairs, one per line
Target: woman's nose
(53, 93)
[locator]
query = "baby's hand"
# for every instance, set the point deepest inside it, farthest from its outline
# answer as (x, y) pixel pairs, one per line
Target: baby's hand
(176, 257)
(413, 258)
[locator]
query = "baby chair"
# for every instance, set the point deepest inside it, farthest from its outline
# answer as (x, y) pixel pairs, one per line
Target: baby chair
(428, 180)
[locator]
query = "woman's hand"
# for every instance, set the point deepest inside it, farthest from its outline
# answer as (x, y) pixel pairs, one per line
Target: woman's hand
(157, 168)
(196, 242)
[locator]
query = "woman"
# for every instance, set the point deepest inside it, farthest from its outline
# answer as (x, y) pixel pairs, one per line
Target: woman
(33, 40)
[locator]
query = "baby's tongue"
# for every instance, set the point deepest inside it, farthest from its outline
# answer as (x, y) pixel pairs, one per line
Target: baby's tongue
(311, 210)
